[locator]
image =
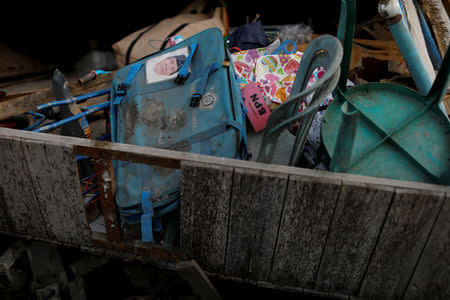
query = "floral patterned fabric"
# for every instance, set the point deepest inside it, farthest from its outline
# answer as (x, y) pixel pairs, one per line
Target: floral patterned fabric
(275, 75)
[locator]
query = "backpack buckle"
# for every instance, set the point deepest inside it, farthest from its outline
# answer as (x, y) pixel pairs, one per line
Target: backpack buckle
(122, 89)
(195, 100)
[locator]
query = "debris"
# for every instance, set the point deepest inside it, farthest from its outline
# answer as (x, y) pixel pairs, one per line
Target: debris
(77, 289)
(49, 275)
(87, 264)
(11, 255)
(13, 278)
(191, 272)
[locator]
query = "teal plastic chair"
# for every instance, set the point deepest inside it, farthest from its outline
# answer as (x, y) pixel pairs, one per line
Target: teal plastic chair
(386, 130)
(325, 51)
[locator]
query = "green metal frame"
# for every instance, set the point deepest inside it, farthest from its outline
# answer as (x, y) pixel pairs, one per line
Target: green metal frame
(325, 51)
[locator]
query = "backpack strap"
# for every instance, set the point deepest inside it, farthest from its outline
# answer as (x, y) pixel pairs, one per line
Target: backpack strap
(130, 47)
(201, 84)
(243, 147)
(122, 88)
(147, 215)
(183, 73)
(120, 92)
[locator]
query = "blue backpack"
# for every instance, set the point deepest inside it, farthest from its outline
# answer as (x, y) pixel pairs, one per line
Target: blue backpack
(184, 98)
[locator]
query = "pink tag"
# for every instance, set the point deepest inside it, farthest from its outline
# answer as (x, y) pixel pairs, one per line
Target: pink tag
(257, 109)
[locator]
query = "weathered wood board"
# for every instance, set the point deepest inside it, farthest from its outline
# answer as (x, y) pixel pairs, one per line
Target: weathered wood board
(19, 209)
(55, 179)
(256, 206)
(357, 221)
(437, 15)
(328, 233)
(306, 217)
(431, 278)
(13, 106)
(402, 239)
(204, 213)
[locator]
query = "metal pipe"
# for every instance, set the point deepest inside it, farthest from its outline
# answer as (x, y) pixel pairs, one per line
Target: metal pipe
(73, 99)
(391, 10)
(74, 117)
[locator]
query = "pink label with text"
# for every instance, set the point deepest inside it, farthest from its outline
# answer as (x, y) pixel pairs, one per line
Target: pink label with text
(257, 109)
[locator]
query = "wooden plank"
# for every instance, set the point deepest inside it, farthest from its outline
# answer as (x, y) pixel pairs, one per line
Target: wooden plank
(55, 179)
(438, 17)
(295, 292)
(20, 209)
(431, 278)
(412, 19)
(19, 105)
(356, 225)
(402, 239)
(447, 103)
(106, 182)
(148, 251)
(204, 213)
(199, 282)
(172, 159)
(305, 220)
(256, 206)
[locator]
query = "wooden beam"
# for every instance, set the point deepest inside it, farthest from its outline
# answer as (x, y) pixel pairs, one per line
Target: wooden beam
(446, 101)
(255, 212)
(431, 278)
(19, 207)
(204, 213)
(147, 251)
(156, 255)
(403, 237)
(307, 213)
(13, 106)
(383, 50)
(173, 159)
(54, 176)
(356, 225)
(438, 17)
(106, 182)
(413, 22)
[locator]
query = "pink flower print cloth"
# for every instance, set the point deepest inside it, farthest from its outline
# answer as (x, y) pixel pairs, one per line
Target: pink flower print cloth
(244, 63)
(275, 75)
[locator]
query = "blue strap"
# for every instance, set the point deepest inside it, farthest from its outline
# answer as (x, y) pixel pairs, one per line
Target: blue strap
(243, 147)
(183, 73)
(122, 88)
(147, 216)
(283, 48)
(201, 84)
